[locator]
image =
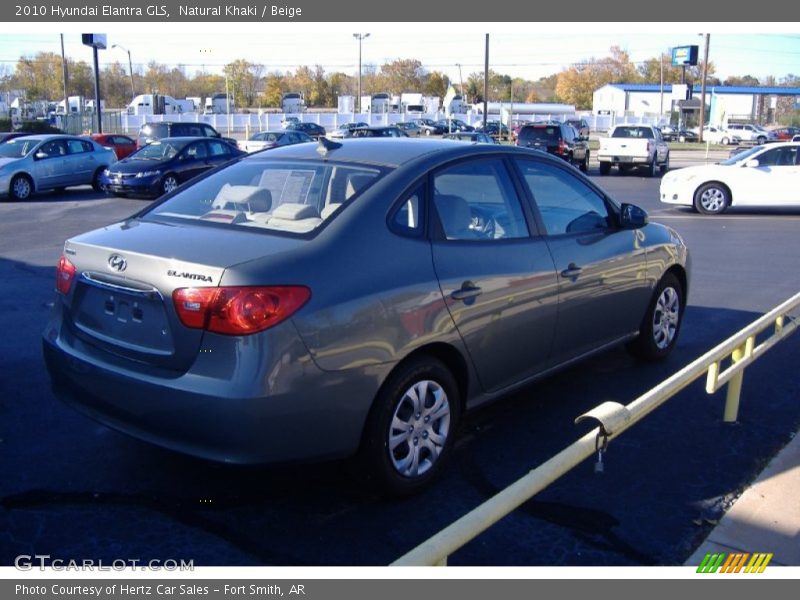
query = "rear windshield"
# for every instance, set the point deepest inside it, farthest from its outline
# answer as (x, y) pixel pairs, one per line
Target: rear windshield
(157, 130)
(272, 195)
(633, 132)
(540, 133)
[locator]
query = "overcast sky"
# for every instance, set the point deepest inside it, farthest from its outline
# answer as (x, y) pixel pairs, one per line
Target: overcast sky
(529, 50)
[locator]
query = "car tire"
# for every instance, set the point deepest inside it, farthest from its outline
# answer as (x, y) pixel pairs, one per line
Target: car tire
(661, 324)
(584, 166)
(725, 141)
(96, 185)
(761, 140)
(411, 428)
(605, 168)
(665, 167)
(652, 168)
(168, 183)
(712, 198)
(21, 187)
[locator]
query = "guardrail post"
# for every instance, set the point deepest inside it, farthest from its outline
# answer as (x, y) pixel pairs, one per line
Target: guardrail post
(735, 384)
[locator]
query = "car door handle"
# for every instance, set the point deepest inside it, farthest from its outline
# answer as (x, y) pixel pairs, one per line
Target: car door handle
(571, 271)
(466, 292)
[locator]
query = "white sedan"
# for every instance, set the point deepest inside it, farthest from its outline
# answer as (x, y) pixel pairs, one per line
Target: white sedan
(761, 176)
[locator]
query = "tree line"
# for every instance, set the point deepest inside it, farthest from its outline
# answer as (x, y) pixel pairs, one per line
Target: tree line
(252, 86)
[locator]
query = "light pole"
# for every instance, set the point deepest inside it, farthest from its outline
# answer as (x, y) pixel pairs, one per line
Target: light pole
(461, 79)
(360, 37)
(130, 67)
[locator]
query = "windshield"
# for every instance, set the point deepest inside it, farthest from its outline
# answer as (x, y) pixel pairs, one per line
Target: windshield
(159, 150)
(744, 155)
(17, 148)
(289, 197)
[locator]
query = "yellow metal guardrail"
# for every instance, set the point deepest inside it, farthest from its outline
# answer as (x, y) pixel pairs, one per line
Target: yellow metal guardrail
(742, 348)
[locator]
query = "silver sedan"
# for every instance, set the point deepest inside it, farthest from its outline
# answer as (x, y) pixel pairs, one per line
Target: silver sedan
(41, 162)
(354, 298)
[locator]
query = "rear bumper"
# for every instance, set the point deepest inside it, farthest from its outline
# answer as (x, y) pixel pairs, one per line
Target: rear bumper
(247, 413)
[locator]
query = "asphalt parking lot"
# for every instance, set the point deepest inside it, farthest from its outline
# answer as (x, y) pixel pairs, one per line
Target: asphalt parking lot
(73, 489)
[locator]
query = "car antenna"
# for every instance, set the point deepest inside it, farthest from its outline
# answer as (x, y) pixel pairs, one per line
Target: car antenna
(326, 145)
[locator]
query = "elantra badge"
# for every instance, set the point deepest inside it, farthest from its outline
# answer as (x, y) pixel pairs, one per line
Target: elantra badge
(117, 263)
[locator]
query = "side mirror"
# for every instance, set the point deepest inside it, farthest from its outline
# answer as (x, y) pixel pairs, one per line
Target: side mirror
(632, 217)
(40, 155)
(752, 163)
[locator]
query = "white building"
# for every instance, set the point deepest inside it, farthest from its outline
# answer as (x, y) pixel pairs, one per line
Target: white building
(724, 103)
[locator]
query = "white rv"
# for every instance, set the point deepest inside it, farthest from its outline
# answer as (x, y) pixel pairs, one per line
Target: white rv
(412, 103)
(152, 104)
(292, 103)
(219, 104)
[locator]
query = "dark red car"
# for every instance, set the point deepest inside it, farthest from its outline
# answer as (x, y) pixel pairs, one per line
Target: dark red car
(786, 133)
(122, 144)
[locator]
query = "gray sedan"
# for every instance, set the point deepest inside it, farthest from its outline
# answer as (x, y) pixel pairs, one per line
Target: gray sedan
(40, 162)
(354, 298)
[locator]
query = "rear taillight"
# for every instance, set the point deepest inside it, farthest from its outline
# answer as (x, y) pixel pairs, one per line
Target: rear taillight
(238, 310)
(562, 147)
(65, 273)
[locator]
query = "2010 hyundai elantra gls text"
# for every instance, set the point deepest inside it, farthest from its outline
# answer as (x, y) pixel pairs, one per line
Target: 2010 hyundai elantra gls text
(354, 298)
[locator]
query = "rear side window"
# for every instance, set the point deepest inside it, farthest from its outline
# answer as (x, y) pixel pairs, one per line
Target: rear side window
(155, 130)
(286, 197)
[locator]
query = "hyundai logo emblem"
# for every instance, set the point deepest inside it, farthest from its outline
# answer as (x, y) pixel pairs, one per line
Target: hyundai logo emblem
(116, 262)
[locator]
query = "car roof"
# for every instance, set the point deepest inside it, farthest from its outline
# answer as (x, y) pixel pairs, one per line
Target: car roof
(391, 152)
(40, 137)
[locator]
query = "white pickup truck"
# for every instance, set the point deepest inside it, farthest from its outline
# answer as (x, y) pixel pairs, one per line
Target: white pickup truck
(629, 146)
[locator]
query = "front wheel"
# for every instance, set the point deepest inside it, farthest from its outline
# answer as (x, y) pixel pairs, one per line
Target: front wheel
(410, 431)
(169, 183)
(724, 141)
(659, 330)
(712, 199)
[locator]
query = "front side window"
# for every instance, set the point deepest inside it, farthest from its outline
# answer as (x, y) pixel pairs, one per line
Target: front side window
(475, 200)
(287, 197)
(566, 204)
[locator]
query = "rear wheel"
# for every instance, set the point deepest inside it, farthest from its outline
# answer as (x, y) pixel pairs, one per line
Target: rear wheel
(761, 140)
(665, 167)
(605, 168)
(96, 186)
(724, 141)
(21, 187)
(659, 330)
(652, 168)
(712, 199)
(410, 431)
(584, 166)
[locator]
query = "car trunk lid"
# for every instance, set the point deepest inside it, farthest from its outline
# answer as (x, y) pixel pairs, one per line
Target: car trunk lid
(121, 300)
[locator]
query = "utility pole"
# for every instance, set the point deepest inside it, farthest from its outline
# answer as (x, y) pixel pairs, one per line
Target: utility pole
(703, 86)
(486, 82)
(64, 70)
